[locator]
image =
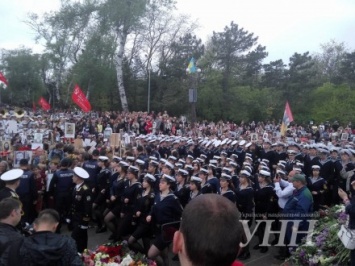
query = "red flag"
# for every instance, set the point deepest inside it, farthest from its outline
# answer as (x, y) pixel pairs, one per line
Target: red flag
(3, 80)
(80, 99)
(44, 104)
(287, 119)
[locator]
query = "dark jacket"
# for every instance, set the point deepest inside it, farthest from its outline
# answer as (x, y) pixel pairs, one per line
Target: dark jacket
(8, 234)
(46, 248)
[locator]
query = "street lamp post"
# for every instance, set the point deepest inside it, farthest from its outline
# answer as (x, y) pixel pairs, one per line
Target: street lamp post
(193, 83)
(148, 103)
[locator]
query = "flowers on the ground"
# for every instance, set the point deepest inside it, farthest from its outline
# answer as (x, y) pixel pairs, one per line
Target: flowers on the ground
(324, 248)
(115, 254)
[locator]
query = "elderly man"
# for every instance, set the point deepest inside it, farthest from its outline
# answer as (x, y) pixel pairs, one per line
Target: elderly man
(299, 207)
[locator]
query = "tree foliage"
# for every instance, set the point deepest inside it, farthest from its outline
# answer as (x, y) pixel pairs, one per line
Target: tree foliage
(116, 49)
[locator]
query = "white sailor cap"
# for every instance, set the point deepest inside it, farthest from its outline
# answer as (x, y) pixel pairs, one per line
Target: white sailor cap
(196, 179)
(264, 173)
(279, 171)
(203, 171)
(133, 169)
(123, 163)
(12, 175)
(242, 142)
(103, 158)
(172, 157)
(140, 162)
(168, 178)
(244, 172)
(189, 167)
(150, 177)
(170, 165)
(183, 172)
(116, 159)
(317, 167)
(130, 158)
(80, 172)
(226, 176)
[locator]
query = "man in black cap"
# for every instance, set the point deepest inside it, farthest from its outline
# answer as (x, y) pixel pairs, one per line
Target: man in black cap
(81, 208)
(27, 192)
(12, 181)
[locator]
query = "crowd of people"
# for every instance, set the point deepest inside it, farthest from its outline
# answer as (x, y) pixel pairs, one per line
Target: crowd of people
(163, 164)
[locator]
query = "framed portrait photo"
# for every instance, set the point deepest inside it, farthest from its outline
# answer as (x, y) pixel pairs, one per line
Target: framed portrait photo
(69, 130)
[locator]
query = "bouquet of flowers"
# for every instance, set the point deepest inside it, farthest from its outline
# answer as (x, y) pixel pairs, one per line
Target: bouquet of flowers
(324, 248)
(115, 254)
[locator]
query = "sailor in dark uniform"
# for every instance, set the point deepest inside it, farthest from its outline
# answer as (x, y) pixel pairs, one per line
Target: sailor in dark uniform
(318, 187)
(28, 192)
(212, 179)
(141, 211)
(102, 194)
(226, 189)
(205, 186)
(311, 159)
(265, 203)
(166, 209)
(195, 187)
(80, 209)
(12, 181)
(182, 189)
(245, 203)
(131, 194)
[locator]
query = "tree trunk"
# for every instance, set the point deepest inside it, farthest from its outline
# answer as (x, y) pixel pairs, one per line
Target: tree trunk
(119, 70)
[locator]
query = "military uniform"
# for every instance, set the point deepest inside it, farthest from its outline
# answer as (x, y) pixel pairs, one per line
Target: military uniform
(8, 193)
(80, 215)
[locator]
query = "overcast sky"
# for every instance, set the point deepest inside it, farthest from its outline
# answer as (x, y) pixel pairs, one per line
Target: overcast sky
(283, 26)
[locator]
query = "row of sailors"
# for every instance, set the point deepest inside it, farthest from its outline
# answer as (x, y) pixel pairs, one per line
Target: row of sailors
(128, 195)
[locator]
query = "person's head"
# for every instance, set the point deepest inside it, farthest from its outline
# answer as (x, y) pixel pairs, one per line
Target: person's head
(195, 183)
(103, 162)
(80, 175)
(148, 181)
(291, 174)
(132, 173)
(315, 170)
(244, 177)
(12, 178)
(298, 181)
(10, 211)
(23, 163)
(221, 219)
(4, 166)
(165, 183)
(47, 220)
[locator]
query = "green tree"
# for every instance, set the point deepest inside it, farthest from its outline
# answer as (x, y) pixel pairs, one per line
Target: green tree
(333, 102)
(22, 69)
(235, 57)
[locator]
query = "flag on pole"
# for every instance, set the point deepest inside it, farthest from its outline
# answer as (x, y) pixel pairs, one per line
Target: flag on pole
(44, 104)
(3, 80)
(80, 99)
(191, 68)
(287, 119)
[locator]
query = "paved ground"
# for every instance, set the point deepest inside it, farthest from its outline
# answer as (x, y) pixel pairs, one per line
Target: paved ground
(256, 259)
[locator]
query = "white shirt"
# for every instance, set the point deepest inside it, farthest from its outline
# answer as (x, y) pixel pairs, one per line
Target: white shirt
(283, 194)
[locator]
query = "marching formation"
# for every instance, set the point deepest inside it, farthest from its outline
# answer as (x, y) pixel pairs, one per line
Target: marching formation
(134, 195)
